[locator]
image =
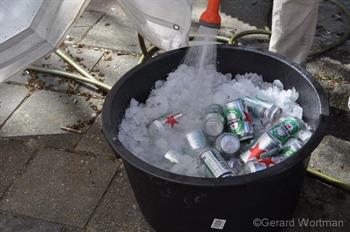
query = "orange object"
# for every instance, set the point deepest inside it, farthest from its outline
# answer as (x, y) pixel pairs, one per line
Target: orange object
(211, 17)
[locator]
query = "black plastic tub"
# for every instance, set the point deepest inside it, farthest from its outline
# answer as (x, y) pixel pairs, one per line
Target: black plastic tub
(171, 202)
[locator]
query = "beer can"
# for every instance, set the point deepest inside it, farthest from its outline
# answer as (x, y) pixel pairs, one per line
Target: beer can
(291, 147)
(214, 162)
(289, 127)
(157, 127)
(251, 167)
(227, 144)
(271, 161)
(236, 165)
(196, 140)
(265, 146)
(261, 164)
(172, 156)
(214, 124)
(238, 119)
(262, 109)
(214, 108)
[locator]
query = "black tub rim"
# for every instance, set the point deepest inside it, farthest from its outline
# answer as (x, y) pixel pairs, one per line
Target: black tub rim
(131, 159)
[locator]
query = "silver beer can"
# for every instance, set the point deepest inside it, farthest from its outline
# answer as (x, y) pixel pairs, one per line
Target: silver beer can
(262, 109)
(172, 156)
(227, 144)
(251, 167)
(214, 124)
(196, 140)
(214, 162)
(265, 146)
(291, 147)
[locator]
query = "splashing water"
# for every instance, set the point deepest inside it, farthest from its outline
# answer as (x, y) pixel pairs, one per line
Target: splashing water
(203, 52)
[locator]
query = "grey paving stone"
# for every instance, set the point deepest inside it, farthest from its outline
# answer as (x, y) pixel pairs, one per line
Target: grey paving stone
(337, 93)
(88, 18)
(72, 229)
(105, 6)
(10, 97)
(332, 157)
(118, 212)
(326, 68)
(322, 202)
(340, 95)
(94, 141)
(66, 141)
(61, 187)
(328, 86)
(334, 77)
(115, 32)
(17, 224)
(115, 66)
(87, 57)
(19, 78)
(76, 34)
(13, 157)
(45, 111)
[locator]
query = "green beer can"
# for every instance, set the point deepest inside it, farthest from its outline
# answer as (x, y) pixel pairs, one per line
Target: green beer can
(239, 121)
(289, 127)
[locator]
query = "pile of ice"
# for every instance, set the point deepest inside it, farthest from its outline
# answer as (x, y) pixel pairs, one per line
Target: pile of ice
(188, 93)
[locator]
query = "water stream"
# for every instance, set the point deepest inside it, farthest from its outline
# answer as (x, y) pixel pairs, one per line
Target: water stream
(202, 53)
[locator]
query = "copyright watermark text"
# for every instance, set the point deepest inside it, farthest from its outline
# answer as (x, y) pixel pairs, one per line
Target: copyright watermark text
(298, 222)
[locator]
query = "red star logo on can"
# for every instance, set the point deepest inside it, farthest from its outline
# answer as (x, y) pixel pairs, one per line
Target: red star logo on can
(171, 120)
(267, 161)
(247, 118)
(255, 152)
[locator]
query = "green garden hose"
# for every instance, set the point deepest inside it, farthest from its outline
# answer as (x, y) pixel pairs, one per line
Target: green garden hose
(72, 76)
